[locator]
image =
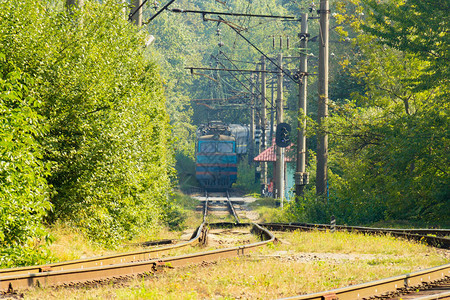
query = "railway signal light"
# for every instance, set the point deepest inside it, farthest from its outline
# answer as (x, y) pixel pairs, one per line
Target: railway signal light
(282, 138)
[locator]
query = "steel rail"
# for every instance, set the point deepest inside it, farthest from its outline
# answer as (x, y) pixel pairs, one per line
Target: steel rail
(23, 281)
(197, 237)
(411, 234)
(380, 287)
(128, 257)
(73, 267)
(205, 207)
(231, 207)
(432, 231)
(51, 276)
(441, 296)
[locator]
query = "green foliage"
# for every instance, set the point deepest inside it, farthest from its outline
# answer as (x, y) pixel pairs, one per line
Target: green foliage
(185, 166)
(389, 143)
(24, 193)
(176, 210)
(108, 139)
(246, 177)
(388, 91)
(418, 27)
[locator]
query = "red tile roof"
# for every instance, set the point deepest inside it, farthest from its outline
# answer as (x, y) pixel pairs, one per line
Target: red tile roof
(270, 155)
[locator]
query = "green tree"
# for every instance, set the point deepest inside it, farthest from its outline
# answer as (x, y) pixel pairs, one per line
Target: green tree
(390, 142)
(415, 26)
(108, 140)
(24, 192)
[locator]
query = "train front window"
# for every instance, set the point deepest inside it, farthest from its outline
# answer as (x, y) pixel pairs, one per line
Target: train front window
(208, 147)
(225, 148)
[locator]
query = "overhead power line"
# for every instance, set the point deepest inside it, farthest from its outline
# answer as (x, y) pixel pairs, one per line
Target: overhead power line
(204, 13)
(160, 11)
(271, 60)
(229, 70)
(131, 15)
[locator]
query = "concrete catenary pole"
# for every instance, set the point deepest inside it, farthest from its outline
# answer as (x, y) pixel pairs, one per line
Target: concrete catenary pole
(251, 150)
(322, 136)
(272, 113)
(300, 175)
(279, 180)
(257, 124)
(137, 14)
(263, 123)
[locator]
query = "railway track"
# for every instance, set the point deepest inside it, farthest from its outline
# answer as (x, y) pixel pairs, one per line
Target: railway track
(109, 268)
(217, 201)
(384, 288)
(433, 237)
(134, 263)
(87, 263)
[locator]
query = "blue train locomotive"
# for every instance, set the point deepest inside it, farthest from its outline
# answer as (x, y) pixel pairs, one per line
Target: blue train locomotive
(217, 155)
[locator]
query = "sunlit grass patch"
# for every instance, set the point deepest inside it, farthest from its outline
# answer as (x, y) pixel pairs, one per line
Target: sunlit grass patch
(70, 244)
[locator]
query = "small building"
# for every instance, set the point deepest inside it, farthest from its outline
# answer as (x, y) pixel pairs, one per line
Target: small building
(269, 155)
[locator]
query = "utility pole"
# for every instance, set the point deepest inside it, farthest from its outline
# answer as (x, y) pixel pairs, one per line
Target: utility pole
(322, 136)
(279, 166)
(257, 125)
(301, 177)
(272, 113)
(263, 123)
(136, 11)
(257, 103)
(252, 121)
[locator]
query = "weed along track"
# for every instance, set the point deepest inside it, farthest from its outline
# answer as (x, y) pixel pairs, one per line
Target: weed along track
(225, 236)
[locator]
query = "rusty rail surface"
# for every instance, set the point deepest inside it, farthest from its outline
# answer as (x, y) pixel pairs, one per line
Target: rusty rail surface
(100, 261)
(427, 231)
(22, 281)
(231, 208)
(380, 287)
(131, 263)
(108, 259)
(145, 262)
(437, 239)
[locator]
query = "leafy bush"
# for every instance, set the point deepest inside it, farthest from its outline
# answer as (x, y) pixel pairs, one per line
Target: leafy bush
(246, 177)
(108, 138)
(176, 210)
(24, 193)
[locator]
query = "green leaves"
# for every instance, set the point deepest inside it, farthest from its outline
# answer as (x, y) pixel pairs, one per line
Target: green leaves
(390, 143)
(94, 113)
(24, 199)
(418, 27)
